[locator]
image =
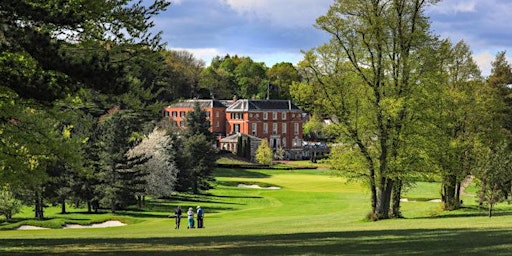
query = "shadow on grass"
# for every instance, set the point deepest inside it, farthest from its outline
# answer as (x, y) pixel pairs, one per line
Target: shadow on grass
(381, 242)
(239, 173)
(465, 212)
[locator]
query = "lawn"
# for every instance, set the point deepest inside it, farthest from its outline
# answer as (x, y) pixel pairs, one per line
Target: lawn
(312, 213)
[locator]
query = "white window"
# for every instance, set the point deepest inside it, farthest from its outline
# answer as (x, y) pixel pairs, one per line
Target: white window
(217, 114)
(296, 128)
(274, 115)
(296, 142)
(174, 114)
(283, 128)
(265, 128)
(283, 115)
(250, 115)
(284, 142)
(274, 128)
(182, 113)
(254, 128)
(217, 124)
(265, 115)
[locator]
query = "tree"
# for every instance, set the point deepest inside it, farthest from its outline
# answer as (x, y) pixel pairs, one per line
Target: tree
(197, 122)
(235, 76)
(494, 169)
(251, 79)
(116, 138)
(9, 205)
(71, 43)
(501, 79)
(182, 73)
(161, 168)
(366, 78)
(281, 76)
(201, 155)
(197, 152)
(264, 153)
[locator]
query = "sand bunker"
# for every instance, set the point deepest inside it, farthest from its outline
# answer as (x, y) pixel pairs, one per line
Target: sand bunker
(106, 224)
(256, 186)
(28, 227)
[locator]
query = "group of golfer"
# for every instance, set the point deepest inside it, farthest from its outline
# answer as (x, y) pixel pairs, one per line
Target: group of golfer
(190, 215)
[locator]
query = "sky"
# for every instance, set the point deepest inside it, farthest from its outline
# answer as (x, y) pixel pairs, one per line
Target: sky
(273, 31)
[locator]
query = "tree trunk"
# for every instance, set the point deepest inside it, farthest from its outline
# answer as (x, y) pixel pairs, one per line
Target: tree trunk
(113, 206)
(457, 193)
(139, 202)
(384, 198)
(39, 206)
(195, 188)
(89, 207)
(63, 206)
(397, 194)
(449, 193)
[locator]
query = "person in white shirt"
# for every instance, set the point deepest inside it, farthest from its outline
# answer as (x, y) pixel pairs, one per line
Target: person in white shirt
(190, 214)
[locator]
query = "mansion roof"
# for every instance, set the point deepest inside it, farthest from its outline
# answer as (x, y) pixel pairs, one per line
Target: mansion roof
(241, 105)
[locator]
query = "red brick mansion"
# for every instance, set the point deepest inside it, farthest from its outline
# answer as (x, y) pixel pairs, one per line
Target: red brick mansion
(277, 121)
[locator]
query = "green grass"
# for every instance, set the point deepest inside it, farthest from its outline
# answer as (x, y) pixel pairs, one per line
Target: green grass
(312, 213)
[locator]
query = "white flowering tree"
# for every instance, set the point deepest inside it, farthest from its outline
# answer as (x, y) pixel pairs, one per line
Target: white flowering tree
(160, 169)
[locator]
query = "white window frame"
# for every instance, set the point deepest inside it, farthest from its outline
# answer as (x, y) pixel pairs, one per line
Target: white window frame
(254, 128)
(274, 128)
(265, 128)
(296, 128)
(283, 115)
(274, 115)
(284, 128)
(265, 115)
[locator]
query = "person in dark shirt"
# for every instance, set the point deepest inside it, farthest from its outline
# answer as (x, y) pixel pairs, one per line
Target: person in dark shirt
(177, 216)
(200, 216)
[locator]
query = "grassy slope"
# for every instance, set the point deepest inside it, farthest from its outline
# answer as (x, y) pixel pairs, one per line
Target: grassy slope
(312, 214)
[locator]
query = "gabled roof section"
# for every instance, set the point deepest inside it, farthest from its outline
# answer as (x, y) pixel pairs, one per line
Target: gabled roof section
(202, 103)
(258, 105)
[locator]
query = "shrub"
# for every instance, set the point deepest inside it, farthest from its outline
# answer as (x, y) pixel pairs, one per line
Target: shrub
(8, 204)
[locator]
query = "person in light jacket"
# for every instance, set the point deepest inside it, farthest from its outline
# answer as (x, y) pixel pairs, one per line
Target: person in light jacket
(190, 215)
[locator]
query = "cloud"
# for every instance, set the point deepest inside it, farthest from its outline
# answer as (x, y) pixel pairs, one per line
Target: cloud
(202, 53)
(282, 13)
(457, 6)
(483, 60)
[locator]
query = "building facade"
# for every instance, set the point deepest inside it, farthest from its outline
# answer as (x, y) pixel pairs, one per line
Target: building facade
(277, 121)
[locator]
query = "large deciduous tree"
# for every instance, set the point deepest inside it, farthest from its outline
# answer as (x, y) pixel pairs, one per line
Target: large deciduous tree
(367, 78)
